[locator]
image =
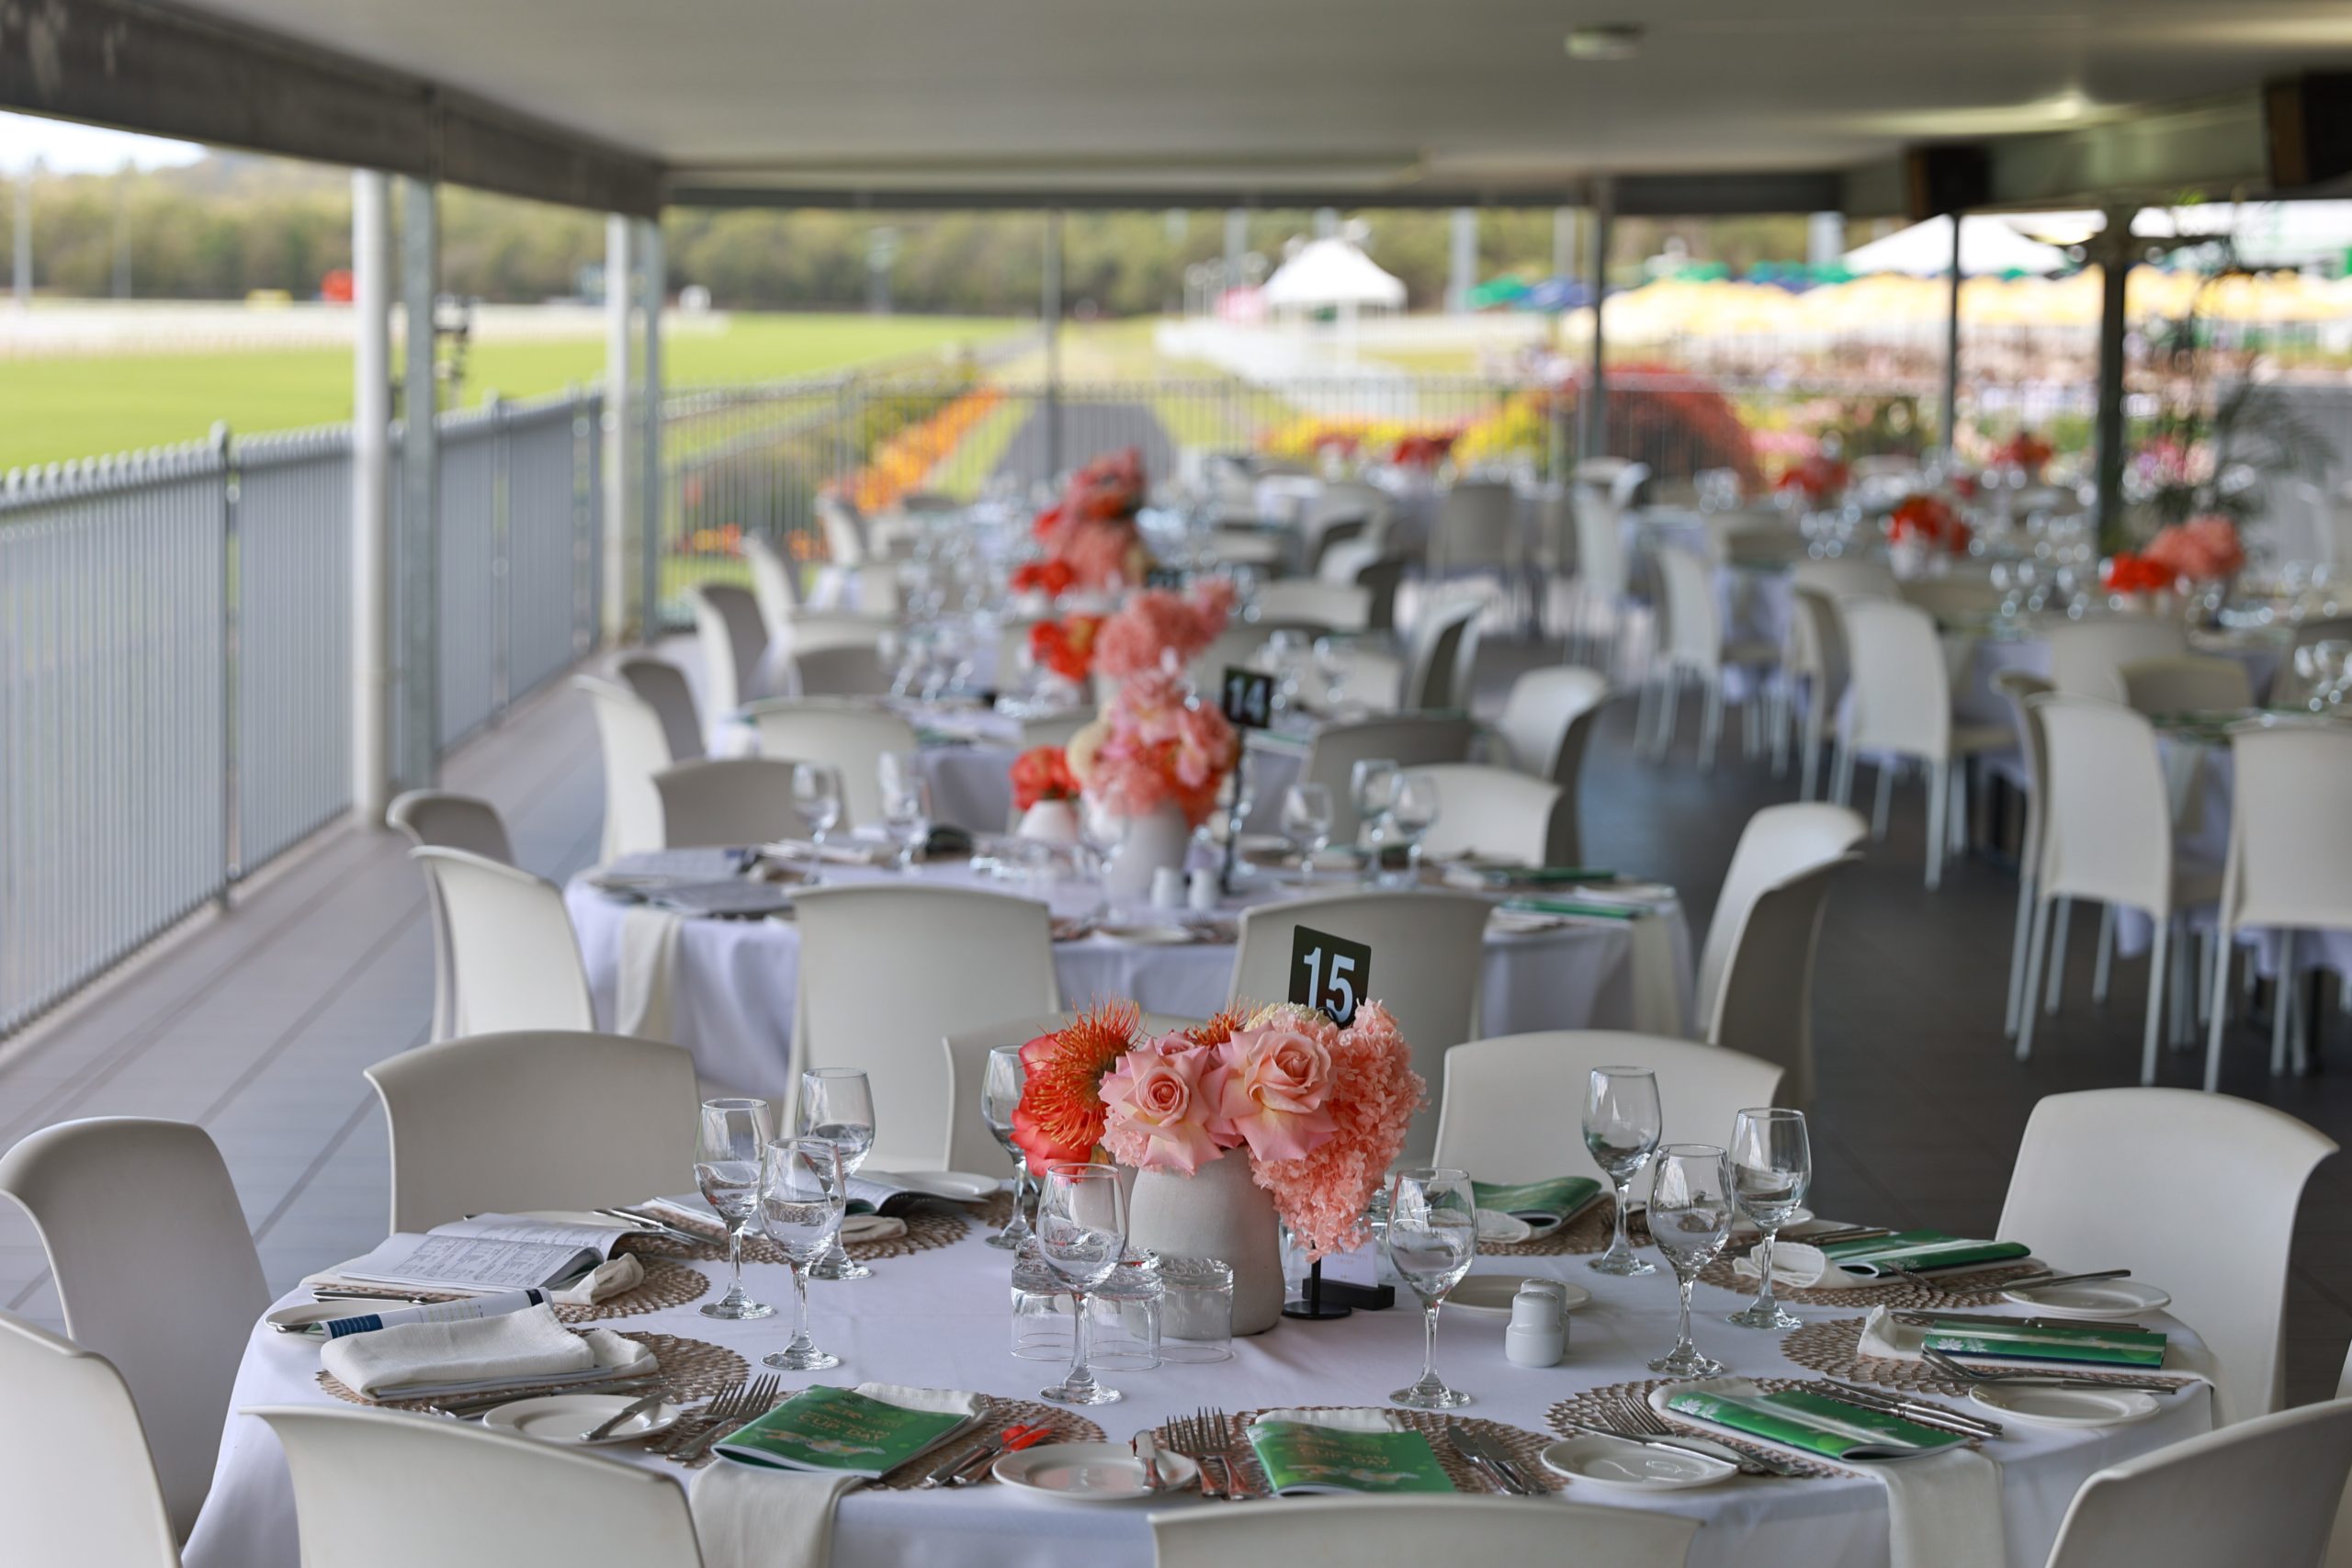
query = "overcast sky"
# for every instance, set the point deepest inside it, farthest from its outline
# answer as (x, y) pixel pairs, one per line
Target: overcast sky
(65, 146)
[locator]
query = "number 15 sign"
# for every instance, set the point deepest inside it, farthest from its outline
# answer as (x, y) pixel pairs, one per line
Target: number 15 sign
(1329, 973)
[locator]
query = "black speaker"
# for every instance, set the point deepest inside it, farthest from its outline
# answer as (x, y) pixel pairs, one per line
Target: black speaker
(1946, 178)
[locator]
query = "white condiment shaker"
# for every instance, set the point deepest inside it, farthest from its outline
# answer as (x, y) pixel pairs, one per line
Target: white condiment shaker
(1538, 1334)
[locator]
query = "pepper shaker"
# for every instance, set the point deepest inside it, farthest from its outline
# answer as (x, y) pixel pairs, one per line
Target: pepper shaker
(1538, 1335)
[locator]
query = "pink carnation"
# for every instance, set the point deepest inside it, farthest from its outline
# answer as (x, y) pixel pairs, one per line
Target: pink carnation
(1159, 1102)
(1322, 1194)
(2203, 549)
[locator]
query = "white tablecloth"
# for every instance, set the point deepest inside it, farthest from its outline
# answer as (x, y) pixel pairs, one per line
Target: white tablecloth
(941, 1319)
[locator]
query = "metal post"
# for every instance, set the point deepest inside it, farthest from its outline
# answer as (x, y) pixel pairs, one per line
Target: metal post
(232, 615)
(418, 597)
(25, 238)
(1951, 344)
(122, 232)
(1237, 244)
(1825, 238)
(1049, 309)
(1564, 241)
(620, 404)
(372, 657)
(650, 276)
(1327, 222)
(1462, 275)
(2114, 255)
(1595, 413)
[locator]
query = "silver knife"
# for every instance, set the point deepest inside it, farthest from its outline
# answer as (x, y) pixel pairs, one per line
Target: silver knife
(1949, 1424)
(604, 1429)
(2045, 1280)
(1147, 1449)
(1486, 1443)
(1897, 1404)
(1477, 1459)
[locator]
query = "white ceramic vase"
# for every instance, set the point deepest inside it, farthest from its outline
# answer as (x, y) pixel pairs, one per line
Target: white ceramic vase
(1157, 839)
(1050, 822)
(1219, 1213)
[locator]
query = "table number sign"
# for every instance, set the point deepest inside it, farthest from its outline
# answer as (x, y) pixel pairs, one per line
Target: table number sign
(1248, 699)
(1164, 577)
(1329, 973)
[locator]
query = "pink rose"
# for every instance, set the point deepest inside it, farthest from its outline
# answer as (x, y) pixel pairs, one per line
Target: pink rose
(1159, 1108)
(1271, 1092)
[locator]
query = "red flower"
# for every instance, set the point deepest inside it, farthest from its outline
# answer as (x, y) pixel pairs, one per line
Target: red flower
(1818, 476)
(1061, 1113)
(1066, 647)
(1042, 772)
(1422, 451)
(2130, 573)
(2024, 450)
(1048, 522)
(1929, 520)
(1050, 578)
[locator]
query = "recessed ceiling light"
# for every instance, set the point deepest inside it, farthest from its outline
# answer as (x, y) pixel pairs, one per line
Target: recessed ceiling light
(1605, 41)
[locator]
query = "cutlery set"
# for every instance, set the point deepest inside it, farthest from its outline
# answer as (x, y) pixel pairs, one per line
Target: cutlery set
(730, 1408)
(1636, 1422)
(1207, 1439)
(1492, 1461)
(963, 1470)
(1983, 1377)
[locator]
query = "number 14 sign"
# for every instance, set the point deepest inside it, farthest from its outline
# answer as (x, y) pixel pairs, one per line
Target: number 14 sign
(1329, 973)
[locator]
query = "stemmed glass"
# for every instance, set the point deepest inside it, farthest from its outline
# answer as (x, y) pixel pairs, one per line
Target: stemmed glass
(1082, 1236)
(802, 1191)
(1771, 1164)
(1432, 1236)
(817, 794)
(1104, 833)
(1369, 783)
(1623, 1122)
(1412, 811)
(837, 1105)
(999, 1095)
(728, 1149)
(1690, 1220)
(1307, 823)
(906, 810)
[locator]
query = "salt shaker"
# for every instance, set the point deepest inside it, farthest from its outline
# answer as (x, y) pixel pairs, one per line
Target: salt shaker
(1202, 892)
(1538, 1335)
(1167, 888)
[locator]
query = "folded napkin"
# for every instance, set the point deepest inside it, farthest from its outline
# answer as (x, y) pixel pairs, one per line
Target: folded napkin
(833, 852)
(647, 973)
(418, 1359)
(753, 1516)
(617, 1274)
(871, 1227)
(1796, 1267)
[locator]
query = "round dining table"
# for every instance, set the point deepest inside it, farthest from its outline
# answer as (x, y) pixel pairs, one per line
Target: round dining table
(941, 1318)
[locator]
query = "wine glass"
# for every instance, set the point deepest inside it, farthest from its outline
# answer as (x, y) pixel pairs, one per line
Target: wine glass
(1771, 1164)
(906, 814)
(1412, 811)
(1102, 833)
(1369, 783)
(1623, 1122)
(1082, 1236)
(1690, 1220)
(817, 794)
(726, 1169)
(1432, 1236)
(837, 1105)
(999, 1096)
(1307, 823)
(1330, 671)
(802, 1191)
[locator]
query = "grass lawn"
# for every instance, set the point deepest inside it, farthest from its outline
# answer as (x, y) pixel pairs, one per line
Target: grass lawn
(56, 409)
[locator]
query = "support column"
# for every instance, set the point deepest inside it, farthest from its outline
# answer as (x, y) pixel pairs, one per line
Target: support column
(620, 569)
(2114, 255)
(1564, 241)
(1825, 238)
(1951, 346)
(372, 558)
(651, 276)
(1596, 412)
(24, 271)
(1050, 310)
(418, 599)
(1237, 244)
(1461, 272)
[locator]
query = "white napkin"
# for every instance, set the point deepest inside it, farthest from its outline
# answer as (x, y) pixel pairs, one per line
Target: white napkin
(610, 1278)
(1337, 1420)
(833, 852)
(871, 1227)
(420, 1358)
(648, 971)
(748, 1516)
(1798, 1266)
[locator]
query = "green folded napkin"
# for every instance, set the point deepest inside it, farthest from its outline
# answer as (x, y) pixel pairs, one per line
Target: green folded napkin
(839, 1431)
(1300, 1460)
(1540, 876)
(1565, 906)
(1920, 1251)
(1811, 1423)
(2088, 1344)
(1560, 1199)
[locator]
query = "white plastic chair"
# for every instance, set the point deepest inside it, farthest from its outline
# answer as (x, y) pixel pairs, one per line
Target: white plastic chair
(456, 822)
(776, 583)
(1694, 647)
(1411, 740)
(514, 960)
(1427, 966)
(1900, 706)
(1500, 812)
(816, 631)
(1478, 529)
(729, 801)
(535, 1119)
(2339, 1544)
(1816, 655)
(1236, 646)
(636, 746)
(383, 1489)
(1444, 656)
(1507, 1100)
(888, 970)
(1367, 678)
(2087, 658)
(2289, 865)
(157, 1273)
(76, 1437)
(970, 1146)
(1601, 594)
(1954, 599)
(842, 669)
(1414, 1532)
(1547, 721)
(850, 738)
(2018, 688)
(2193, 1192)
(1754, 988)
(734, 642)
(2107, 835)
(2189, 682)
(662, 686)
(1303, 601)
(1846, 577)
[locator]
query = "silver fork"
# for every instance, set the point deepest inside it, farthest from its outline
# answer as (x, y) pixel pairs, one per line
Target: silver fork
(1220, 1433)
(1186, 1436)
(1644, 1420)
(690, 1424)
(757, 1402)
(1944, 1363)
(728, 1406)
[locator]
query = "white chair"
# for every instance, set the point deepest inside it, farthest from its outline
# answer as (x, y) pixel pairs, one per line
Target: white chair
(2019, 688)
(382, 1489)
(1603, 593)
(1428, 966)
(2289, 865)
(970, 1145)
(1303, 601)
(734, 643)
(1236, 646)
(817, 631)
(662, 686)
(157, 1273)
(1899, 705)
(1365, 678)
(1411, 740)
(636, 746)
(2339, 1543)
(1846, 577)
(1500, 814)
(535, 1119)
(1954, 599)
(1547, 721)
(1478, 530)
(843, 670)
(1413, 1532)
(1507, 1100)
(850, 738)
(2187, 683)
(514, 960)
(1815, 655)
(1693, 647)
(2195, 1192)
(2107, 835)
(1346, 510)
(889, 970)
(1755, 989)
(2087, 658)
(776, 583)
(456, 822)
(729, 801)
(1439, 676)
(77, 1437)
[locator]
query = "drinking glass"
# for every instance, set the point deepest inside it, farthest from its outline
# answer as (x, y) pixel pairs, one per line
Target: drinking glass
(999, 1096)
(1623, 1122)
(1690, 1220)
(837, 1105)
(1369, 783)
(1307, 823)
(728, 1149)
(1771, 1164)
(1330, 671)
(1081, 1235)
(905, 815)
(802, 1191)
(817, 794)
(1432, 1236)
(1412, 811)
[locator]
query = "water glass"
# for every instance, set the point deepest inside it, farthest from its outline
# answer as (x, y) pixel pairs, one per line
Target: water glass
(802, 1192)
(1412, 811)
(1307, 823)
(1000, 1087)
(1432, 1238)
(1623, 1122)
(817, 795)
(1369, 783)
(1690, 1220)
(1082, 1238)
(837, 1105)
(1196, 1310)
(729, 1146)
(1770, 1165)
(906, 817)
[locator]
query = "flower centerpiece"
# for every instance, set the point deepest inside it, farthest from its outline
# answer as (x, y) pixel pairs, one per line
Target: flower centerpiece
(1925, 524)
(1276, 1113)
(1422, 450)
(2025, 452)
(1091, 532)
(2204, 549)
(1153, 759)
(1159, 632)
(2129, 576)
(1065, 649)
(1046, 794)
(1819, 478)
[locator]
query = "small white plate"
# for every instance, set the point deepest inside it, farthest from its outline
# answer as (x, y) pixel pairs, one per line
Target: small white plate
(1148, 935)
(308, 1315)
(2066, 1407)
(1634, 1466)
(1490, 1295)
(1502, 1229)
(564, 1417)
(959, 1186)
(2093, 1299)
(1092, 1472)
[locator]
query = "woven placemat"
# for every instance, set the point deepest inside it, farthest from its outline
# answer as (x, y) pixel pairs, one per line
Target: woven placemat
(929, 1225)
(691, 1369)
(1522, 1446)
(1589, 1232)
(1978, 1287)
(1067, 1427)
(1833, 1348)
(1604, 1406)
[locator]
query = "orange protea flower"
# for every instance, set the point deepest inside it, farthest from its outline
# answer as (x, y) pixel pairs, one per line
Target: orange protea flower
(1218, 1029)
(1061, 1113)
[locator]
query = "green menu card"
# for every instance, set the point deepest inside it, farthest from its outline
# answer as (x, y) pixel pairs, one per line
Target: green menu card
(1809, 1422)
(2089, 1344)
(1300, 1460)
(1562, 1198)
(1923, 1250)
(840, 1431)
